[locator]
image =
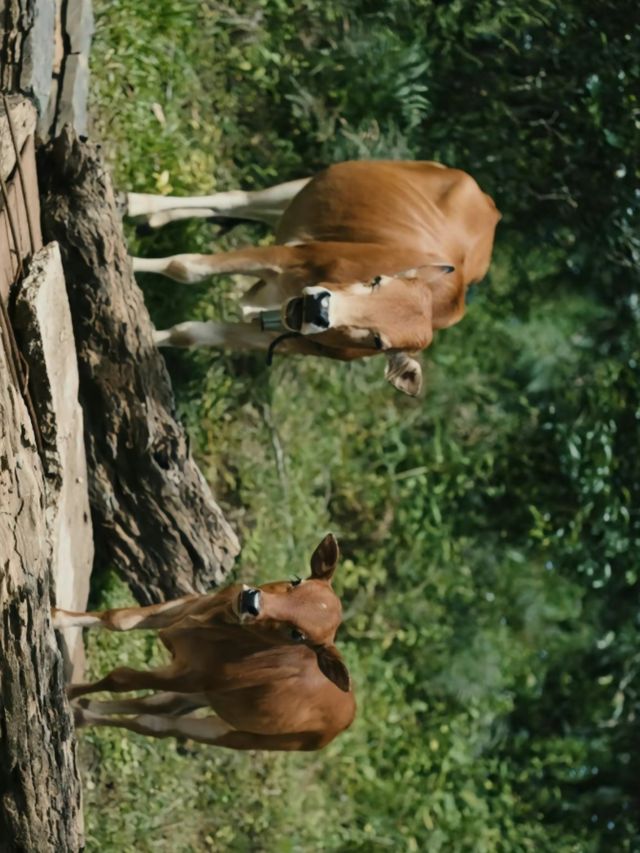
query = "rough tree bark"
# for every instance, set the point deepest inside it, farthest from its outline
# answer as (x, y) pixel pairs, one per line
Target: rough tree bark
(44, 333)
(175, 539)
(44, 54)
(153, 514)
(40, 806)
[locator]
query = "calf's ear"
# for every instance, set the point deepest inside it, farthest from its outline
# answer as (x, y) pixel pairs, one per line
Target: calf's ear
(332, 665)
(325, 558)
(404, 373)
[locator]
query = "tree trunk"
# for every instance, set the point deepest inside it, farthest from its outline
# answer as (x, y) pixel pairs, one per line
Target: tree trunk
(42, 508)
(40, 808)
(44, 50)
(153, 514)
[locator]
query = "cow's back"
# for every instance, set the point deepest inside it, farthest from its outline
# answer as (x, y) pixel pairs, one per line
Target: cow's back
(422, 206)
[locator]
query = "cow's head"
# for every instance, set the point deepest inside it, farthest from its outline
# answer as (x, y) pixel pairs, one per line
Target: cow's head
(388, 313)
(301, 612)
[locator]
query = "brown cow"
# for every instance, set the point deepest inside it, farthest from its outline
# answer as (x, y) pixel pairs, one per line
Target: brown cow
(263, 659)
(370, 256)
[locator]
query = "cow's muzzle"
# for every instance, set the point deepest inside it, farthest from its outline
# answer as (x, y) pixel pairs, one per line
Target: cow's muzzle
(309, 313)
(250, 602)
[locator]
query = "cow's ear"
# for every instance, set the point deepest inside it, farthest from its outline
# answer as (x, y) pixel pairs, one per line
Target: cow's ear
(404, 372)
(332, 665)
(427, 272)
(325, 558)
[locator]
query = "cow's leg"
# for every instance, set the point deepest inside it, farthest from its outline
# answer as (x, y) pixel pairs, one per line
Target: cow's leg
(156, 703)
(159, 219)
(155, 616)
(262, 205)
(233, 336)
(246, 337)
(260, 261)
(242, 337)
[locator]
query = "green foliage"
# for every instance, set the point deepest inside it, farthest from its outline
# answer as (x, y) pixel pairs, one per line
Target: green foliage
(490, 530)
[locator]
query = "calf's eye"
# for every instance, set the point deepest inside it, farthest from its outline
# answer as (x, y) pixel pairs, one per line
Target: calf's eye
(296, 581)
(377, 341)
(298, 636)
(376, 282)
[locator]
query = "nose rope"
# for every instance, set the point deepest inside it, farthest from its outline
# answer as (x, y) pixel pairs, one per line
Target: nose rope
(276, 342)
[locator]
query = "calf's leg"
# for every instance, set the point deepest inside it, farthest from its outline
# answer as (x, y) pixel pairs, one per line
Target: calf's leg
(155, 616)
(123, 679)
(212, 730)
(203, 729)
(156, 703)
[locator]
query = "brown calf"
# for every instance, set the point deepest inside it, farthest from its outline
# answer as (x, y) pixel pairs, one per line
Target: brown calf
(263, 659)
(370, 256)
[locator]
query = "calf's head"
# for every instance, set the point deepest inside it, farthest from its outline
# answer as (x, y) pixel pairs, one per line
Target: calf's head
(301, 612)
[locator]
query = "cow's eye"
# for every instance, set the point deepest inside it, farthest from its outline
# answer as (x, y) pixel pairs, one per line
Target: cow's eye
(298, 636)
(377, 341)
(296, 581)
(376, 282)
